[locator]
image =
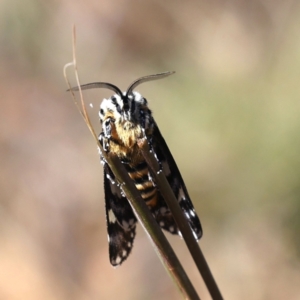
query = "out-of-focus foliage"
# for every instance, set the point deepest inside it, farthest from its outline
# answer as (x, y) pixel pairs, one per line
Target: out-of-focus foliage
(230, 116)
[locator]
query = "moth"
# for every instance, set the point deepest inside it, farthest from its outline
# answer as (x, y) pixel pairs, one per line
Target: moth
(126, 118)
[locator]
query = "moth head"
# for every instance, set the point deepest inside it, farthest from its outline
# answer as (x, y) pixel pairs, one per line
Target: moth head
(123, 107)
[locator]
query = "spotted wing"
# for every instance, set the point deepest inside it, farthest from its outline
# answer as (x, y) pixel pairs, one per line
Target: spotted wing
(120, 219)
(176, 182)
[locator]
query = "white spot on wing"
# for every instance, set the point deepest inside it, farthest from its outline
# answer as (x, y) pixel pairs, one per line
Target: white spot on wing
(118, 260)
(163, 210)
(166, 168)
(180, 195)
(125, 225)
(111, 216)
(110, 179)
(124, 253)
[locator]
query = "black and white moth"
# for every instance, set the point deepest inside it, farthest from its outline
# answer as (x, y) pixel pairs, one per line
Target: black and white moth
(126, 118)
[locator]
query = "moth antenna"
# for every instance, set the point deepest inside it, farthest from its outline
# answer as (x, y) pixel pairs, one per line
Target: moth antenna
(147, 78)
(96, 85)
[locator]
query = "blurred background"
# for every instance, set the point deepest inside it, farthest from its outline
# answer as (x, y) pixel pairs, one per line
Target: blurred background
(230, 116)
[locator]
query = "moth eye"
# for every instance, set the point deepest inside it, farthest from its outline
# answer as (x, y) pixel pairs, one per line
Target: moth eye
(101, 111)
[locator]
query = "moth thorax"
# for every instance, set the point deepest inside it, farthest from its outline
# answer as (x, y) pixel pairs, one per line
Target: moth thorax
(129, 133)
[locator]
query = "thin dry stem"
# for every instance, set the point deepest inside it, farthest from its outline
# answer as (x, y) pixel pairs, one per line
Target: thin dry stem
(161, 244)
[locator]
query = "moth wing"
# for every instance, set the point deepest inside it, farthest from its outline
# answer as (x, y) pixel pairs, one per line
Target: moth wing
(120, 219)
(163, 216)
(172, 173)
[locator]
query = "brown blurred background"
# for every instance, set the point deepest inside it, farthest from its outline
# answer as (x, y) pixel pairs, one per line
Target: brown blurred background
(230, 115)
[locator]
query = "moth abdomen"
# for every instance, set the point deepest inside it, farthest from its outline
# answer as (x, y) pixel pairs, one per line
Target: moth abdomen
(140, 175)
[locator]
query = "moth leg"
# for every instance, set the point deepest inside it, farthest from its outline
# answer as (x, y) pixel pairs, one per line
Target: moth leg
(105, 136)
(104, 141)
